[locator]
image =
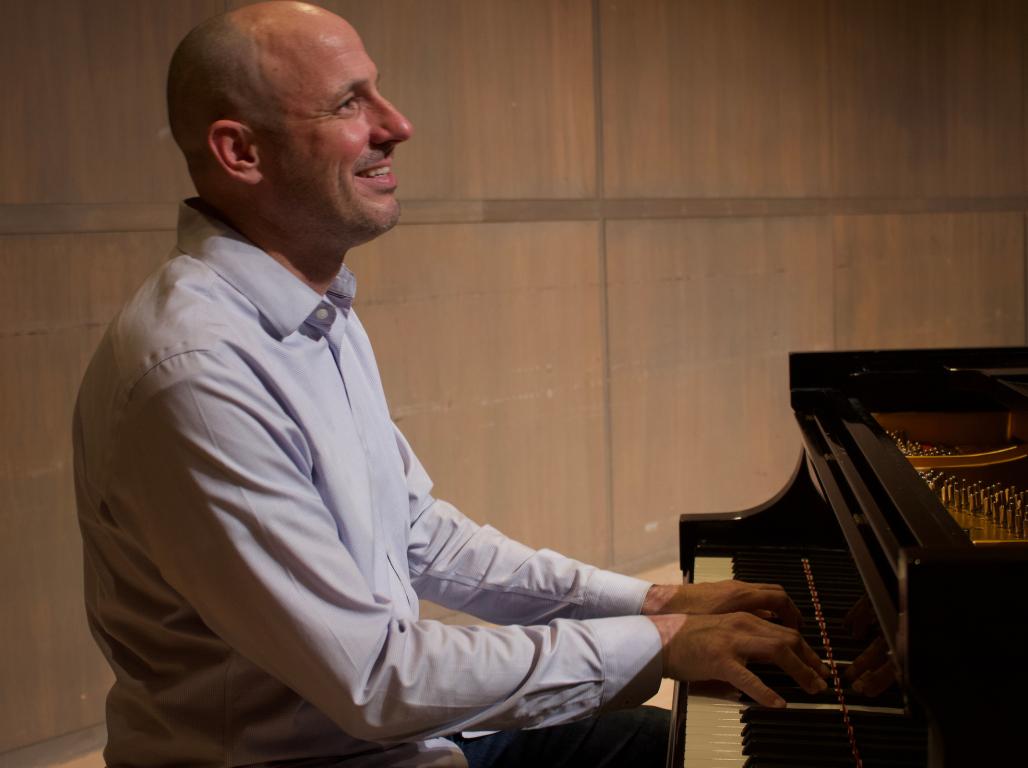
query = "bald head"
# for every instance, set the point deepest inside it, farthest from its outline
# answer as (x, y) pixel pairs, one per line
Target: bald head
(212, 76)
(277, 109)
(229, 68)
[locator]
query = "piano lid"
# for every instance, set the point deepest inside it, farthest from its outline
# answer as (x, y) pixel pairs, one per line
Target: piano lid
(901, 444)
(959, 419)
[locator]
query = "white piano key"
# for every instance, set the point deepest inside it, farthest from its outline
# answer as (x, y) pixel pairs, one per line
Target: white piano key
(713, 725)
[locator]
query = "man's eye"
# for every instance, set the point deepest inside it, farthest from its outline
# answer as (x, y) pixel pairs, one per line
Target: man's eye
(349, 104)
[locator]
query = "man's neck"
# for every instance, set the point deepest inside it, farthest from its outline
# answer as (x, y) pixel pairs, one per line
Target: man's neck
(314, 268)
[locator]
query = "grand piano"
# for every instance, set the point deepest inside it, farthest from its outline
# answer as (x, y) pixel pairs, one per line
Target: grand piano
(908, 506)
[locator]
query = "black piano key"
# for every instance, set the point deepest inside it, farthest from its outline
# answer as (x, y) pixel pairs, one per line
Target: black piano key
(797, 737)
(785, 687)
(897, 737)
(790, 737)
(839, 588)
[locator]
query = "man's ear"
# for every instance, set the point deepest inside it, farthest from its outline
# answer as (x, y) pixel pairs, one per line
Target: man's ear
(234, 147)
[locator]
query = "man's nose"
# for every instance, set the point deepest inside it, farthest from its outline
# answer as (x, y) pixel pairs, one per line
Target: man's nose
(391, 125)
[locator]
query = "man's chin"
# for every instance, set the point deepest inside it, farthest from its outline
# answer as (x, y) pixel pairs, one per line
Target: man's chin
(372, 222)
(387, 215)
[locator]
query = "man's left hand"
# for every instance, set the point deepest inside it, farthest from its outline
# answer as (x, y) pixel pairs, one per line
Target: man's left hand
(769, 601)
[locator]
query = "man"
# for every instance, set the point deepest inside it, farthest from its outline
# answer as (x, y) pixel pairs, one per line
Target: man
(257, 533)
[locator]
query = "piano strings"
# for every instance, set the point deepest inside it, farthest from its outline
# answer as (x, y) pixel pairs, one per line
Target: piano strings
(973, 483)
(987, 511)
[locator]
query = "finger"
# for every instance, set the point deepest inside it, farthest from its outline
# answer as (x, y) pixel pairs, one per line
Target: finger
(812, 660)
(807, 677)
(851, 618)
(860, 619)
(789, 638)
(876, 681)
(752, 686)
(783, 605)
(872, 658)
(763, 585)
(786, 649)
(775, 600)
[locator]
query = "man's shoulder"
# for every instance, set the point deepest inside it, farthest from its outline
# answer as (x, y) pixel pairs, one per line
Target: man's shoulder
(173, 328)
(182, 310)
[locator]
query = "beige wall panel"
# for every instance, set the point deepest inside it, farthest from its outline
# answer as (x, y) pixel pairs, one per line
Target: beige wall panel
(57, 295)
(54, 679)
(708, 98)
(489, 341)
(927, 97)
(703, 314)
(84, 117)
(500, 93)
(54, 282)
(933, 280)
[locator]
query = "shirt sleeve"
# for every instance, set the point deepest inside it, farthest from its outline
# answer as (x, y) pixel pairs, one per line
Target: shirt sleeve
(476, 569)
(217, 491)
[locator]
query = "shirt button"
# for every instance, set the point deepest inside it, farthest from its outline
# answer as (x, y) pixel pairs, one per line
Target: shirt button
(322, 313)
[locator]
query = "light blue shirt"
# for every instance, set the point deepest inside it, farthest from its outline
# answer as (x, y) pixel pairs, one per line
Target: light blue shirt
(257, 534)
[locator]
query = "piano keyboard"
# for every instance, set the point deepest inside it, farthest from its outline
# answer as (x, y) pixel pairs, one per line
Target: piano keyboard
(723, 730)
(713, 724)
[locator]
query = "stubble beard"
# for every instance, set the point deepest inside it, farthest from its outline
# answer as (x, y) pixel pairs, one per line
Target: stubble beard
(356, 226)
(334, 225)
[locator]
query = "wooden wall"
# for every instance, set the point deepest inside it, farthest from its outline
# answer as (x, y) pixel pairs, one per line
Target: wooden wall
(620, 215)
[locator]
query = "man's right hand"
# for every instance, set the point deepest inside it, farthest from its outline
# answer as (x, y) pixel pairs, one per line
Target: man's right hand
(718, 647)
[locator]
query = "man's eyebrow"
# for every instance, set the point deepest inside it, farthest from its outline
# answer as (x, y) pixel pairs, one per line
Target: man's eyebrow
(353, 84)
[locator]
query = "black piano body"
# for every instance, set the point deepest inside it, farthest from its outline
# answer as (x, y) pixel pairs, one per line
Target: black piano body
(947, 579)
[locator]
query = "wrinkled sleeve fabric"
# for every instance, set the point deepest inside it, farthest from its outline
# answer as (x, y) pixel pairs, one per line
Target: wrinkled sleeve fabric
(218, 491)
(474, 568)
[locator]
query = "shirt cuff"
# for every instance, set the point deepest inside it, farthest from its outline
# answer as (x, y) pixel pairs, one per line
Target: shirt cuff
(612, 594)
(631, 653)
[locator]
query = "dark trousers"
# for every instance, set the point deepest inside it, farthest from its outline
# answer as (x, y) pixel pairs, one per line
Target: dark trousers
(632, 737)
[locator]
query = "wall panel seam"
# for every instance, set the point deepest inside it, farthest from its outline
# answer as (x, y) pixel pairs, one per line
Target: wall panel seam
(833, 182)
(599, 193)
(32, 219)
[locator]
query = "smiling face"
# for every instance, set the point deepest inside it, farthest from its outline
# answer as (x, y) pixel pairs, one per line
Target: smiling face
(326, 160)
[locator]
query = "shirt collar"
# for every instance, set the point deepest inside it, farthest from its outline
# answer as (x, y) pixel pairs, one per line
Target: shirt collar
(279, 295)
